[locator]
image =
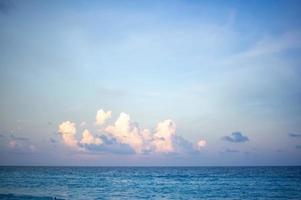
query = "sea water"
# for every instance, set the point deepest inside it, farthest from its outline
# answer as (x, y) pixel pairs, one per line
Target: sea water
(150, 183)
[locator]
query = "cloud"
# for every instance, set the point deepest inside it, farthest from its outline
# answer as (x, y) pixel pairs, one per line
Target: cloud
(272, 45)
(126, 132)
(83, 124)
(230, 151)
(19, 138)
(298, 146)
(201, 144)
(294, 135)
(109, 145)
(102, 116)
(21, 146)
(162, 140)
(125, 136)
(181, 145)
(68, 131)
(52, 140)
(88, 138)
(165, 131)
(236, 137)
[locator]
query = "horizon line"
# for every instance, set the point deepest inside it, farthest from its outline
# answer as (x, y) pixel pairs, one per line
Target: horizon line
(145, 166)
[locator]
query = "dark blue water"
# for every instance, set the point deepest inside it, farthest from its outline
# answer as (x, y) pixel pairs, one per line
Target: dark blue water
(150, 182)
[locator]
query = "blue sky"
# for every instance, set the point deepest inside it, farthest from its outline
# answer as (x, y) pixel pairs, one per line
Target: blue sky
(226, 73)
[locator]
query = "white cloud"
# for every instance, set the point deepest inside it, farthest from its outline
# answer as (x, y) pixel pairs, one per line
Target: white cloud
(88, 138)
(163, 136)
(126, 132)
(102, 116)
(68, 131)
(129, 134)
(272, 45)
(201, 144)
(141, 141)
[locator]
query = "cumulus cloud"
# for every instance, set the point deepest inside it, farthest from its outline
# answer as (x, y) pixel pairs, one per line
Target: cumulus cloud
(102, 116)
(236, 137)
(201, 144)
(126, 132)
(126, 136)
(88, 138)
(163, 137)
(67, 130)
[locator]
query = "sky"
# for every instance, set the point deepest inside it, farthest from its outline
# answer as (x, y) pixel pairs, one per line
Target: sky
(150, 83)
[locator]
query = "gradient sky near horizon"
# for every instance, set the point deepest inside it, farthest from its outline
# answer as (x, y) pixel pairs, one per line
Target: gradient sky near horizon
(226, 73)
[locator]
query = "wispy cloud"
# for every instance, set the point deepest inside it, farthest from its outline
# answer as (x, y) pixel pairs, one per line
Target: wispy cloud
(236, 137)
(19, 138)
(21, 145)
(230, 151)
(52, 140)
(271, 45)
(294, 135)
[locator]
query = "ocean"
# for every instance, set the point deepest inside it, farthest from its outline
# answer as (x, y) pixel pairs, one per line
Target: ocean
(150, 183)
